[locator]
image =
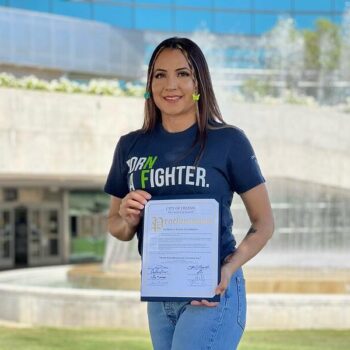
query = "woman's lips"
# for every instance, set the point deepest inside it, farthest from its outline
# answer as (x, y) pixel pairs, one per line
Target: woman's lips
(172, 98)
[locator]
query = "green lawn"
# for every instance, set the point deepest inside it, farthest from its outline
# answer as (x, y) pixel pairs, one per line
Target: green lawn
(69, 339)
(296, 340)
(94, 339)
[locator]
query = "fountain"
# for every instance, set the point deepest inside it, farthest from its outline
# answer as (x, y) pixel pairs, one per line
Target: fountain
(301, 257)
(304, 267)
(345, 52)
(284, 48)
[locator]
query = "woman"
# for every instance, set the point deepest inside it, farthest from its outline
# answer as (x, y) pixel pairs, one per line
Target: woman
(185, 147)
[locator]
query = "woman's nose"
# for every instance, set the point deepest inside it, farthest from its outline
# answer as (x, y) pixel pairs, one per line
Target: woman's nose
(171, 83)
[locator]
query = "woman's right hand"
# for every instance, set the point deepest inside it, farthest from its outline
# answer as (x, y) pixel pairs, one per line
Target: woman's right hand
(132, 205)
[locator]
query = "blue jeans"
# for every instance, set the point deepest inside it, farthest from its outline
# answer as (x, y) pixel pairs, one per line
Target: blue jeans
(181, 326)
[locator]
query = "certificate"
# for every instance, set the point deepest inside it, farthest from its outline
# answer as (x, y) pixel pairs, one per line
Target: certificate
(180, 252)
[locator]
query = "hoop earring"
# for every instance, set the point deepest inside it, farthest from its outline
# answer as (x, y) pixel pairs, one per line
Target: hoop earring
(147, 95)
(195, 97)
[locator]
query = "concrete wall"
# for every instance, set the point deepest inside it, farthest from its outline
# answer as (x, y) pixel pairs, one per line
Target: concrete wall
(46, 133)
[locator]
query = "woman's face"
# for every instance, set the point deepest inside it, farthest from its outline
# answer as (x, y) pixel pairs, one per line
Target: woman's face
(173, 86)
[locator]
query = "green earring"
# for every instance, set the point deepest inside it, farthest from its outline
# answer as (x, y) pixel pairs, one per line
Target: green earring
(147, 95)
(195, 97)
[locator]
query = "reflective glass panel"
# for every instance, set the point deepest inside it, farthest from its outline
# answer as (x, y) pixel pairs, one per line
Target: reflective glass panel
(5, 224)
(154, 1)
(273, 5)
(194, 3)
(53, 222)
(6, 249)
(35, 249)
(304, 22)
(34, 5)
(313, 5)
(337, 19)
(237, 4)
(232, 23)
(35, 225)
(53, 247)
(187, 21)
(74, 9)
(161, 19)
(307, 21)
(264, 22)
(115, 15)
(340, 5)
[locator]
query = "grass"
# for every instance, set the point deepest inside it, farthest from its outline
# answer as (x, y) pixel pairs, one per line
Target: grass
(107, 339)
(296, 340)
(69, 339)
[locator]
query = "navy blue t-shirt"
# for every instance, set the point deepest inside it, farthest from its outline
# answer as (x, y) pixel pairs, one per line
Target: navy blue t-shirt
(163, 164)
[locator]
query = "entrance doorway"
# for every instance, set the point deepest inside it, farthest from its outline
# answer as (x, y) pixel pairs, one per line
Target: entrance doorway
(21, 236)
(37, 233)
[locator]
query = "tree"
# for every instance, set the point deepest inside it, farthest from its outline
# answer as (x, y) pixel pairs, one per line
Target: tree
(322, 46)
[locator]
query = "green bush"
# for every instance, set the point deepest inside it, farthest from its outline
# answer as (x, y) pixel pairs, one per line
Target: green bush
(95, 86)
(254, 89)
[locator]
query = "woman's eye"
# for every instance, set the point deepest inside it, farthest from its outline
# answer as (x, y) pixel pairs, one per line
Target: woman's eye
(159, 75)
(184, 74)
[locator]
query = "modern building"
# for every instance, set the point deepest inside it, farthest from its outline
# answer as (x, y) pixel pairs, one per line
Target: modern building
(236, 17)
(111, 38)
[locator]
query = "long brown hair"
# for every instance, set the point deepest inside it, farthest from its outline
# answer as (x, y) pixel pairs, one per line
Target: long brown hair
(208, 114)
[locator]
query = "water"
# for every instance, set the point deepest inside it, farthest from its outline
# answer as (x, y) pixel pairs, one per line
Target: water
(312, 221)
(345, 52)
(312, 228)
(51, 276)
(284, 48)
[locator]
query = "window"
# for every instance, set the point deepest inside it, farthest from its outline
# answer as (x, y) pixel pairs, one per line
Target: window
(10, 194)
(340, 5)
(337, 19)
(235, 4)
(232, 23)
(280, 5)
(194, 3)
(305, 21)
(187, 21)
(149, 2)
(34, 5)
(116, 15)
(161, 19)
(74, 9)
(264, 22)
(313, 5)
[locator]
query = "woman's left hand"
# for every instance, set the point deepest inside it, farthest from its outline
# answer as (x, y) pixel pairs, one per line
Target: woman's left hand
(226, 275)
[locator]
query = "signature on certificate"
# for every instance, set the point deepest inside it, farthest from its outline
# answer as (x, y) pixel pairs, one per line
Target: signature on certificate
(158, 272)
(197, 274)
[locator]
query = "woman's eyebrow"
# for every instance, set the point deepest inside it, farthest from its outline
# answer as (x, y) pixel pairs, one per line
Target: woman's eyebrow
(182, 68)
(164, 70)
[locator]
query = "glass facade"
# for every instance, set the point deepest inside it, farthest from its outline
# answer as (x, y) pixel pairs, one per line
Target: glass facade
(242, 17)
